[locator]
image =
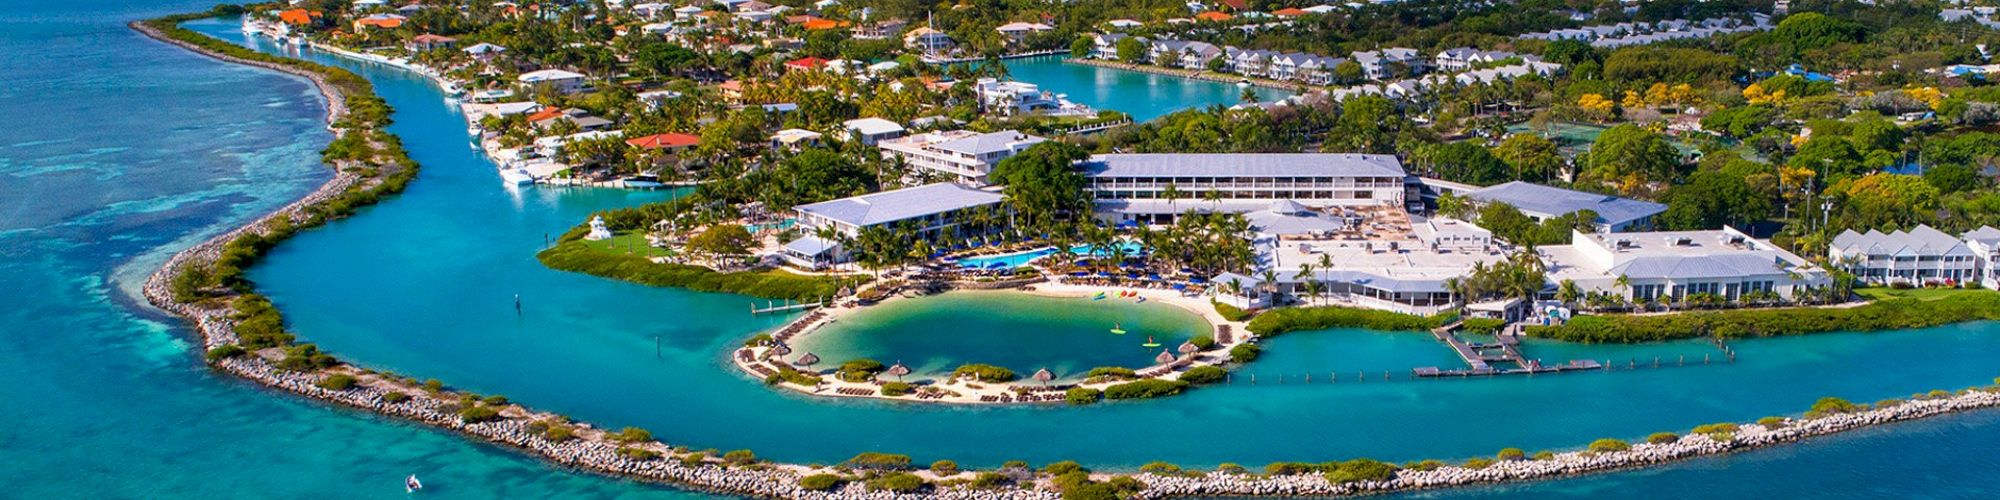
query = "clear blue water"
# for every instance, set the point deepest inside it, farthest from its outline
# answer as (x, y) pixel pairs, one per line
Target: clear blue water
(1067, 335)
(137, 148)
(1018, 259)
(1144, 96)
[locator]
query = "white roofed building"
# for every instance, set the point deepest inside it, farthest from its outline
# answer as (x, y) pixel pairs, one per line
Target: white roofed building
(870, 131)
(1671, 266)
(1919, 256)
(1134, 187)
(560, 80)
(1985, 243)
(1614, 214)
(963, 154)
(932, 210)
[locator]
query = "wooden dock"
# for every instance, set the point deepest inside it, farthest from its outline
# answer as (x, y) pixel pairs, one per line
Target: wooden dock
(1479, 357)
(782, 307)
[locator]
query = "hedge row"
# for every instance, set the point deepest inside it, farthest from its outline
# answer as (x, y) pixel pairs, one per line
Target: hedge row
(1276, 321)
(574, 256)
(1889, 314)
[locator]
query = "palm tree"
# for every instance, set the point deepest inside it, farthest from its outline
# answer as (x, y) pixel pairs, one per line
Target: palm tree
(1454, 288)
(1305, 276)
(1623, 283)
(1271, 280)
(1172, 193)
(1567, 292)
(1213, 196)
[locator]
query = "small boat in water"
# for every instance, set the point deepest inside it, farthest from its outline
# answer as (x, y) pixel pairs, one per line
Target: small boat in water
(411, 484)
(641, 182)
(516, 177)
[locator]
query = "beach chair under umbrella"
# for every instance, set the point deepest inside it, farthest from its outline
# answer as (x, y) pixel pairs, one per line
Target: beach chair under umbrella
(1189, 348)
(1165, 357)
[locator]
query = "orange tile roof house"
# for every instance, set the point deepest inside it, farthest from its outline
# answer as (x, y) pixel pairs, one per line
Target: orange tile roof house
(1213, 16)
(384, 21)
(805, 63)
(669, 141)
(429, 41)
(1289, 12)
(298, 17)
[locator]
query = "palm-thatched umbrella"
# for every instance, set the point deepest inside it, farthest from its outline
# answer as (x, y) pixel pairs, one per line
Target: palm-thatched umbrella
(780, 349)
(1188, 348)
(808, 359)
(1165, 357)
(1044, 376)
(899, 371)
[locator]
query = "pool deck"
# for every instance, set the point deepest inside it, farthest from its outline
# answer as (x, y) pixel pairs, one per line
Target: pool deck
(760, 361)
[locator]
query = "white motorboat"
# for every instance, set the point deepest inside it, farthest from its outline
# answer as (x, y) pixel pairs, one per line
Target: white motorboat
(516, 177)
(411, 484)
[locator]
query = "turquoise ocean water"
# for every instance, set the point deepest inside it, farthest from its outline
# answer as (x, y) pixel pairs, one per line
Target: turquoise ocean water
(123, 150)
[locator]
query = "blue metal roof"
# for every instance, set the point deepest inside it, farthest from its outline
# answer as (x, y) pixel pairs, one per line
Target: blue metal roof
(1545, 201)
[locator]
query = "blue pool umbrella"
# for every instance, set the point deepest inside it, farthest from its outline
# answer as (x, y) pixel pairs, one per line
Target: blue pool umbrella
(969, 265)
(1180, 286)
(1079, 274)
(997, 265)
(1197, 279)
(1152, 276)
(1102, 274)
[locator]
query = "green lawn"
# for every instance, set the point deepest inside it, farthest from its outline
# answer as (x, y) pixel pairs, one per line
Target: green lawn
(632, 243)
(1879, 293)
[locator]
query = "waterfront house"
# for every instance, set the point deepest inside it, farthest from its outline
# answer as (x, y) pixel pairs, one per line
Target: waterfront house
(880, 30)
(870, 131)
(547, 117)
(934, 211)
(795, 139)
(806, 64)
(925, 39)
(1134, 187)
(1016, 33)
(1213, 16)
(964, 155)
(380, 21)
(1671, 266)
(560, 81)
(428, 42)
(1386, 63)
(1614, 214)
(1919, 256)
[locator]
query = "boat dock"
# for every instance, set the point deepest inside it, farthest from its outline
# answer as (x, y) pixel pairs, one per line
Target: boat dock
(1481, 357)
(782, 307)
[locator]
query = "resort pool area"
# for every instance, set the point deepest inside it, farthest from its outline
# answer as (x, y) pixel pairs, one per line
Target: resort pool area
(781, 225)
(1020, 331)
(1018, 259)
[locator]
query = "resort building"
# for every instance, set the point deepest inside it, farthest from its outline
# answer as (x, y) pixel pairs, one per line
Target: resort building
(927, 40)
(1673, 265)
(1153, 188)
(1464, 58)
(932, 210)
(870, 131)
(1614, 214)
(963, 154)
(1919, 256)
(1017, 33)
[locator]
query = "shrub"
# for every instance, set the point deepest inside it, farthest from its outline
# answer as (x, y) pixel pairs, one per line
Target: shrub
(1231, 468)
(1511, 454)
(1115, 372)
(637, 453)
(575, 256)
(433, 386)
(860, 370)
(495, 400)
(476, 414)
(1360, 469)
(1544, 455)
(1482, 325)
(1478, 463)
(1245, 353)
(740, 457)
(879, 461)
(820, 482)
(1662, 438)
(1205, 342)
(759, 340)
(1886, 314)
(985, 373)
(631, 435)
(1082, 395)
(900, 482)
(225, 351)
(395, 397)
(1771, 422)
(1608, 444)
(1204, 375)
(1064, 467)
(897, 389)
(786, 374)
(944, 467)
(1161, 468)
(1278, 321)
(1831, 406)
(1144, 389)
(990, 480)
(336, 382)
(1424, 465)
(1230, 312)
(1716, 429)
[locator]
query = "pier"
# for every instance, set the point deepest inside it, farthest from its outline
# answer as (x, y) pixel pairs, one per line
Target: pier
(1480, 357)
(782, 307)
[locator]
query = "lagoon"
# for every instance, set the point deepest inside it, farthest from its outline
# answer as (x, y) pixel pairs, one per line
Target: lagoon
(1015, 330)
(1142, 95)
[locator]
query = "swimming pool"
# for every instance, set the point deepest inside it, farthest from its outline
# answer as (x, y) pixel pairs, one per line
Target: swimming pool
(1018, 259)
(775, 226)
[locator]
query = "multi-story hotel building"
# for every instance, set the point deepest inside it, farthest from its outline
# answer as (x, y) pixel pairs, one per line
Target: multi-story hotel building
(1152, 188)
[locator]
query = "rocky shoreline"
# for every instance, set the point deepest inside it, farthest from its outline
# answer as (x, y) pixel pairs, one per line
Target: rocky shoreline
(596, 451)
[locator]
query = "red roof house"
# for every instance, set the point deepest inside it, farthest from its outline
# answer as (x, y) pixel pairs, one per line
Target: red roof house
(667, 141)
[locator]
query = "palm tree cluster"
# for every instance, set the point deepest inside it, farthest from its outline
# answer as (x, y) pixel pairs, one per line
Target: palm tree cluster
(1521, 276)
(1203, 243)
